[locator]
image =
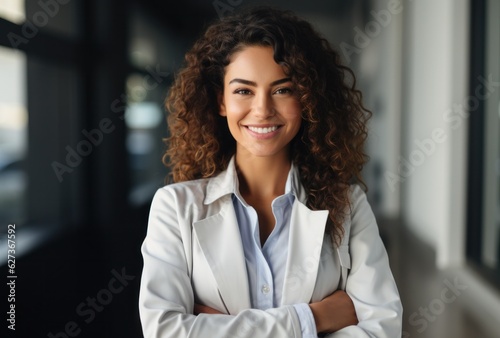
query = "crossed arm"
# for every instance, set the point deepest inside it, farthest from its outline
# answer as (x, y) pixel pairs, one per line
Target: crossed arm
(330, 314)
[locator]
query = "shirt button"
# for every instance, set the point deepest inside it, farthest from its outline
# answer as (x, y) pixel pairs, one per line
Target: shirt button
(265, 289)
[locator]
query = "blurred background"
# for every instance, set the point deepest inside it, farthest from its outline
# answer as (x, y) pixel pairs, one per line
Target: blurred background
(82, 86)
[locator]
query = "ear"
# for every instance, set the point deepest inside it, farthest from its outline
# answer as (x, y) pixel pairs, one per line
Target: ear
(222, 105)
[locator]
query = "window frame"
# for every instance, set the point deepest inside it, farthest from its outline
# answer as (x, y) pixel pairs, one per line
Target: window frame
(480, 17)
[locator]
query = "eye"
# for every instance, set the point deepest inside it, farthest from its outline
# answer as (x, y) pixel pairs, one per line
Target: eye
(282, 91)
(242, 91)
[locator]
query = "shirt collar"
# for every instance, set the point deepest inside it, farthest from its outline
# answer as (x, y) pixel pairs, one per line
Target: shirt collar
(226, 183)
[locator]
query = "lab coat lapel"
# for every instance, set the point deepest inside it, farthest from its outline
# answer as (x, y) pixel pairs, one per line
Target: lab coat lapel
(307, 228)
(220, 240)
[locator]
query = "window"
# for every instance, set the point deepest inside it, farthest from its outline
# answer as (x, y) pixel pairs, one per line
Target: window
(146, 126)
(490, 255)
(13, 136)
(154, 51)
(40, 114)
(13, 10)
(483, 247)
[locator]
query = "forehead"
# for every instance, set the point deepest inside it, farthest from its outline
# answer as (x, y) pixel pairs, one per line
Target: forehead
(254, 63)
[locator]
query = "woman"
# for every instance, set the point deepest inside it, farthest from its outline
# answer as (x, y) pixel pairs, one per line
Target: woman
(266, 224)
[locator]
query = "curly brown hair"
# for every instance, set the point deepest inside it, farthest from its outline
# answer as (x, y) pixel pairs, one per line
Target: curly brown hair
(329, 148)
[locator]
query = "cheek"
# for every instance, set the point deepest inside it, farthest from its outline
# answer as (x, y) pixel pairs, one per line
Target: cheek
(293, 112)
(236, 108)
(294, 117)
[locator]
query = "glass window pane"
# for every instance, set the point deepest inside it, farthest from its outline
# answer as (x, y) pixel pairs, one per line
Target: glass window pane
(13, 136)
(491, 209)
(152, 46)
(58, 17)
(146, 126)
(154, 51)
(13, 10)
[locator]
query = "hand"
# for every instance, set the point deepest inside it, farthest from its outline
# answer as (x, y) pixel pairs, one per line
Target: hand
(198, 308)
(334, 312)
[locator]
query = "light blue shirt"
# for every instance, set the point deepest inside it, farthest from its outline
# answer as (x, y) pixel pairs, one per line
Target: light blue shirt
(266, 264)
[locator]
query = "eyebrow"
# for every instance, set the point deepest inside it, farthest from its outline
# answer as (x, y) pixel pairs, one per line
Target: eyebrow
(254, 84)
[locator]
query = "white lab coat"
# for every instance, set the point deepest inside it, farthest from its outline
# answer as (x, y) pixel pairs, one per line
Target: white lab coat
(193, 253)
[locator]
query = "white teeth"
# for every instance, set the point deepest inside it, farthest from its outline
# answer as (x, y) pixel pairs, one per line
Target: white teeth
(263, 130)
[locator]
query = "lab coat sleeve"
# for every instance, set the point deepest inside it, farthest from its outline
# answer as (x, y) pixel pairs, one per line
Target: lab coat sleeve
(166, 297)
(370, 282)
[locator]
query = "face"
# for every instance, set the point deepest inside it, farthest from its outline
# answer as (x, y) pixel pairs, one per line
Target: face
(262, 110)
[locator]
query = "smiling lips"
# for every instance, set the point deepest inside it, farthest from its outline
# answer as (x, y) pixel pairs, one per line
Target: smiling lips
(265, 130)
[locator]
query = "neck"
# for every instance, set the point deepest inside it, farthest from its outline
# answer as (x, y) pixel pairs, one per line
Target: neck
(263, 176)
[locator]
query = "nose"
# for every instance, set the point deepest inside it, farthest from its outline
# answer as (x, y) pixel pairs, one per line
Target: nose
(264, 106)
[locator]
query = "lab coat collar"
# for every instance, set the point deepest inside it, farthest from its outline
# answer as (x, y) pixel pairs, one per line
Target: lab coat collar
(226, 183)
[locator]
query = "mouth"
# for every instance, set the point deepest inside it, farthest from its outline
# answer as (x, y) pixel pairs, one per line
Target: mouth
(263, 130)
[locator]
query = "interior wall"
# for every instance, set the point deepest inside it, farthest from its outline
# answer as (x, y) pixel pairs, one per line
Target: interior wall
(432, 163)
